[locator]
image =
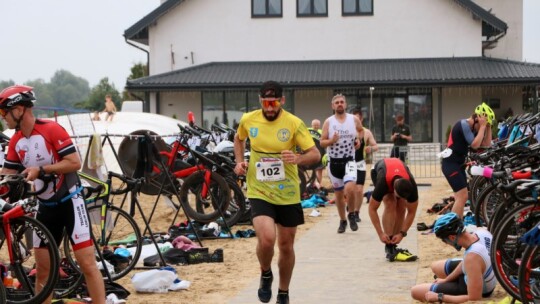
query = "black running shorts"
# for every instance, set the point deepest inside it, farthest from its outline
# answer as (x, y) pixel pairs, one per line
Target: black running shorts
(285, 215)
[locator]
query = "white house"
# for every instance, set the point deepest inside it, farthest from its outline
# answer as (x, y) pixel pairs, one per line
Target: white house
(433, 60)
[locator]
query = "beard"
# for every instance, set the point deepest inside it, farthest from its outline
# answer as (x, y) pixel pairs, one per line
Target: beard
(340, 111)
(271, 115)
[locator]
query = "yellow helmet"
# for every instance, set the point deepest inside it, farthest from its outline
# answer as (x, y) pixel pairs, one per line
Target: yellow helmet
(486, 110)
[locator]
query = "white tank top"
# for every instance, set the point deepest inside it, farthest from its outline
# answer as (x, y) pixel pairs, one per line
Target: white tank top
(482, 248)
(344, 147)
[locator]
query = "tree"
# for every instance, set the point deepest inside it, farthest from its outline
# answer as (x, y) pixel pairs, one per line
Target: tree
(5, 84)
(96, 99)
(68, 89)
(138, 70)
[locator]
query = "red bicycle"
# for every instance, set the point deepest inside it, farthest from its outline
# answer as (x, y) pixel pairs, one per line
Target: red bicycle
(20, 233)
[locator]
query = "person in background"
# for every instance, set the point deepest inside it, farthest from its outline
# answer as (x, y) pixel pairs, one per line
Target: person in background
(110, 108)
(340, 137)
(459, 280)
(316, 132)
(396, 188)
(401, 136)
(474, 132)
(273, 183)
(61, 206)
(368, 145)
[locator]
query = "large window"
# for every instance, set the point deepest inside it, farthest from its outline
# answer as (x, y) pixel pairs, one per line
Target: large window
(357, 7)
(228, 106)
(266, 8)
(379, 111)
(311, 8)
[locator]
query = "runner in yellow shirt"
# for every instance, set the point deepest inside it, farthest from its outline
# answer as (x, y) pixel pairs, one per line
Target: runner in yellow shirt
(273, 183)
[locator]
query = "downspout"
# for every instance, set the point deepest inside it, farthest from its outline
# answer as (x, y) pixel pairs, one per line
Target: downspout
(146, 105)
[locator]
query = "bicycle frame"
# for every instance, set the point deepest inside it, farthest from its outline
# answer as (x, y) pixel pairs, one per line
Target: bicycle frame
(14, 213)
(178, 147)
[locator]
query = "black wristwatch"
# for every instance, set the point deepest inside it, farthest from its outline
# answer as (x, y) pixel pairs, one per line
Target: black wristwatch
(404, 233)
(440, 296)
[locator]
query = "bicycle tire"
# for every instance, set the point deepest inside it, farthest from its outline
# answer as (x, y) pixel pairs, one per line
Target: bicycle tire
(486, 205)
(507, 248)
(23, 231)
(527, 275)
(122, 227)
(237, 204)
(204, 209)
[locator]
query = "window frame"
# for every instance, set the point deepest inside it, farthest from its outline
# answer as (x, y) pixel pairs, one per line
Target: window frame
(312, 14)
(357, 12)
(267, 14)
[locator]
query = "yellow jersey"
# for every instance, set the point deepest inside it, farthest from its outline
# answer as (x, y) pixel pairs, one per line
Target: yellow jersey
(267, 177)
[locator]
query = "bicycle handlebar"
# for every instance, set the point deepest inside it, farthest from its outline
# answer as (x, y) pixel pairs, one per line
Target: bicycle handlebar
(131, 183)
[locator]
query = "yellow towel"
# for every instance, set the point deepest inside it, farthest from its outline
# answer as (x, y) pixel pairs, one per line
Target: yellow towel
(95, 153)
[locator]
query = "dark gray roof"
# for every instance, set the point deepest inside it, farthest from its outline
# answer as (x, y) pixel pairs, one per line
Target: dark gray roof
(494, 24)
(355, 73)
(139, 31)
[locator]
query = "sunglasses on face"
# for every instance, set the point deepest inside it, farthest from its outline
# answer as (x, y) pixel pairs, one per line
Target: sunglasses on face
(270, 102)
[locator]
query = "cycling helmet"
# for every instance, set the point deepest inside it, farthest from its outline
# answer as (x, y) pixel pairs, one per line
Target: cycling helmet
(17, 95)
(484, 109)
(448, 224)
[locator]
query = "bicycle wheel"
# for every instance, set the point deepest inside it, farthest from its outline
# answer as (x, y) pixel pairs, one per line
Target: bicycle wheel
(26, 231)
(529, 275)
(488, 200)
(119, 229)
(207, 207)
(507, 248)
(237, 204)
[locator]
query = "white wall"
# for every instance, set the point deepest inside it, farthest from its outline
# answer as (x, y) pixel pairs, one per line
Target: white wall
(180, 103)
(223, 30)
(511, 12)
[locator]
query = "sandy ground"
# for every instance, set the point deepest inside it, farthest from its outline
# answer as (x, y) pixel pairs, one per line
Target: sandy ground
(219, 282)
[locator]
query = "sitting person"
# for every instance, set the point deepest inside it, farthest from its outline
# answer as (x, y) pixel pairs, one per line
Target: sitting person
(459, 280)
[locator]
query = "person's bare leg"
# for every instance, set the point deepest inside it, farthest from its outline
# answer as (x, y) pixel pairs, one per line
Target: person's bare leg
(340, 203)
(43, 268)
(93, 277)
(460, 199)
(400, 216)
(350, 195)
(438, 268)
(359, 197)
(318, 174)
(389, 214)
(265, 230)
(286, 258)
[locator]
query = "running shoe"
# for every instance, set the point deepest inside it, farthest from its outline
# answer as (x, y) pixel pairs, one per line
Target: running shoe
(342, 226)
(282, 298)
(357, 216)
(403, 255)
(390, 251)
(352, 222)
(265, 287)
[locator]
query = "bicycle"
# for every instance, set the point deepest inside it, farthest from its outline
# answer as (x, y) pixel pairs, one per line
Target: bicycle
(111, 227)
(21, 232)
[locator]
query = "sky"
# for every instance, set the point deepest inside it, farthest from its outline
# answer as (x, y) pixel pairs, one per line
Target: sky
(38, 38)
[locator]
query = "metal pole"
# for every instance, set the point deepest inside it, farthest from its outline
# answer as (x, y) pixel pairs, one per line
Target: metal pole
(370, 105)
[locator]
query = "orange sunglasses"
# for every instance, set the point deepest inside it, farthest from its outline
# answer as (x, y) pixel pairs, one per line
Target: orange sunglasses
(270, 102)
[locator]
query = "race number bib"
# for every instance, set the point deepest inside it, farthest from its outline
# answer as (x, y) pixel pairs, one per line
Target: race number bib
(361, 165)
(270, 170)
(350, 168)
